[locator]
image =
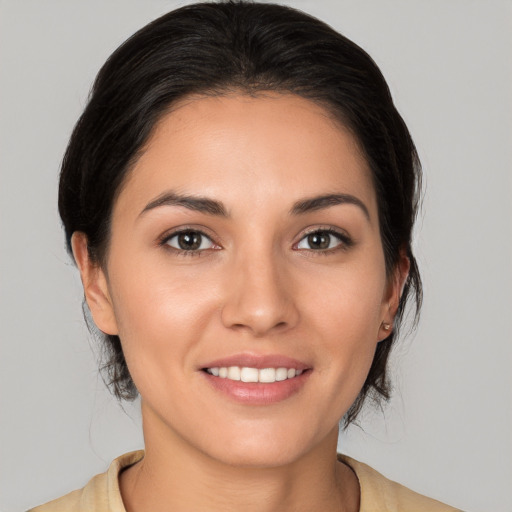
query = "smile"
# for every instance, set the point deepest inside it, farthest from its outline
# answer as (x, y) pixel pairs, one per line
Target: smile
(248, 374)
(256, 379)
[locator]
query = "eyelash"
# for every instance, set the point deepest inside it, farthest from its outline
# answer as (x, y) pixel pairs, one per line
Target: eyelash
(164, 242)
(345, 241)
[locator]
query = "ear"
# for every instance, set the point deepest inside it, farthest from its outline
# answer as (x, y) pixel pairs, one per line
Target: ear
(95, 285)
(393, 294)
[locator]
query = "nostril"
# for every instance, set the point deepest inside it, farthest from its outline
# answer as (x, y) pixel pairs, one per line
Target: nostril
(259, 329)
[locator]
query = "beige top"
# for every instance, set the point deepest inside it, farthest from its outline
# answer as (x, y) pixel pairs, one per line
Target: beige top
(378, 494)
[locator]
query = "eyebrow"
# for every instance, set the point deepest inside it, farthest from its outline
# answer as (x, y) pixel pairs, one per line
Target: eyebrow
(326, 201)
(213, 207)
(195, 203)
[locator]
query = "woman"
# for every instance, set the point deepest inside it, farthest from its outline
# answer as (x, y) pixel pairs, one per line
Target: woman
(239, 197)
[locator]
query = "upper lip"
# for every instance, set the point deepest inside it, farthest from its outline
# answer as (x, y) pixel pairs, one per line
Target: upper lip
(259, 361)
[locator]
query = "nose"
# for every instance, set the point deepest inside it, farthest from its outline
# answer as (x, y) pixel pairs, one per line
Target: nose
(259, 297)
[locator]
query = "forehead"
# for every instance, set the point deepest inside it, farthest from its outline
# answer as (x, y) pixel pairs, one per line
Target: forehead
(267, 147)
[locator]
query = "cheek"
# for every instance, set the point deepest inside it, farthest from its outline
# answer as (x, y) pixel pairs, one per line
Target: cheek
(348, 302)
(161, 315)
(150, 293)
(346, 313)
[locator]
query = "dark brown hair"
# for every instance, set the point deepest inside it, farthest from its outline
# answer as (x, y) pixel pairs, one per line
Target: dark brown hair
(215, 48)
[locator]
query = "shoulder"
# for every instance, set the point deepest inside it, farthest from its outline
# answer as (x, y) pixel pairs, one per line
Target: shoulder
(380, 494)
(100, 494)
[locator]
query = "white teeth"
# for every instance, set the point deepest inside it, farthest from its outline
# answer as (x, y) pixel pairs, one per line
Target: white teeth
(246, 374)
(234, 373)
(249, 375)
(267, 375)
(281, 374)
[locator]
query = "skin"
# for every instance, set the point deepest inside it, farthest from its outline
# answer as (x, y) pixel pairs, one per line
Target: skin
(255, 286)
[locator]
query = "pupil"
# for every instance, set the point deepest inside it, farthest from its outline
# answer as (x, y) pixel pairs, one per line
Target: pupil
(319, 240)
(189, 241)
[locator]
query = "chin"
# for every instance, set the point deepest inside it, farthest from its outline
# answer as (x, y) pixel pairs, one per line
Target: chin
(258, 456)
(270, 448)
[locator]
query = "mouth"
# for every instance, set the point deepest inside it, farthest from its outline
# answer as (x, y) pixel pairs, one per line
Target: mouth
(252, 379)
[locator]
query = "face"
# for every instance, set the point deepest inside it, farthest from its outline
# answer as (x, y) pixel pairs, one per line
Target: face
(245, 277)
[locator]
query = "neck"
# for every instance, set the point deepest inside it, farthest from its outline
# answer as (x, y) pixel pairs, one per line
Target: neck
(176, 476)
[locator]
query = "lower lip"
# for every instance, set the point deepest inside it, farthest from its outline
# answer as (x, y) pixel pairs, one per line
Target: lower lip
(258, 393)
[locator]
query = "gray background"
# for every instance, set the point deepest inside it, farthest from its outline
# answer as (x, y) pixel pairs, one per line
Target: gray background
(448, 431)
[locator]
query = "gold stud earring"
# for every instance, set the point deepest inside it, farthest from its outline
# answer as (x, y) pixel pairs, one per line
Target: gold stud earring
(386, 326)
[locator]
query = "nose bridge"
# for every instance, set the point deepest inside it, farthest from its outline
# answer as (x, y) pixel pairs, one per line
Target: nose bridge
(259, 293)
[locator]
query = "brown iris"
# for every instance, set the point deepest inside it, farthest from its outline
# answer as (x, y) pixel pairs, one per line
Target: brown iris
(319, 240)
(189, 240)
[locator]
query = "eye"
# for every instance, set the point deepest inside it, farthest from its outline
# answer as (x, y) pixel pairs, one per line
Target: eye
(190, 240)
(323, 240)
